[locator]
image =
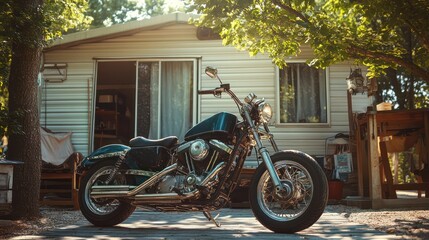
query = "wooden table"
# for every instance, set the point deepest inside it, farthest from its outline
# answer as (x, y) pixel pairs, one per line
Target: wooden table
(375, 133)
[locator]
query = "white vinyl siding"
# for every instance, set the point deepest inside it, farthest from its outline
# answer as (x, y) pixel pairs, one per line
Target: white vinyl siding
(67, 102)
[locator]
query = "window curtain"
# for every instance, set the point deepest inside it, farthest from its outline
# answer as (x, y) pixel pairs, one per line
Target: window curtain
(165, 101)
(176, 98)
(154, 99)
(302, 94)
(147, 106)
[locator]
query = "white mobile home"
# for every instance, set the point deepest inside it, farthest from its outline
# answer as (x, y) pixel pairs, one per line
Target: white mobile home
(141, 78)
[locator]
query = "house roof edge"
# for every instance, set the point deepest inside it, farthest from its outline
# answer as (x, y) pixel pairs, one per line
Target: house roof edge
(117, 30)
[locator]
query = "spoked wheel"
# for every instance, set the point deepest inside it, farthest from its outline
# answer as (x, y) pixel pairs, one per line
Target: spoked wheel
(103, 211)
(300, 205)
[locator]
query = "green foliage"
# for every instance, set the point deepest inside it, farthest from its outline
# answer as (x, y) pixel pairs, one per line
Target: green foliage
(403, 90)
(372, 32)
(407, 166)
(62, 16)
(287, 95)
(4, 72)
(154, 7)
(108, 12)
(58, 16)
(185, 6)
(5, 56)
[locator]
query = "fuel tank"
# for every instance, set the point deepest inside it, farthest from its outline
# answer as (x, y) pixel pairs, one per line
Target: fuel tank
(219, 126)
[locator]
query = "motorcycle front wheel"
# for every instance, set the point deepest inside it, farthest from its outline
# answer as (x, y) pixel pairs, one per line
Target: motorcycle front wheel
(304, 205)
(103, 212)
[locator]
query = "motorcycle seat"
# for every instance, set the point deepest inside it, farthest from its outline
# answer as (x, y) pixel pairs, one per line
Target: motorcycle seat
(167, 142)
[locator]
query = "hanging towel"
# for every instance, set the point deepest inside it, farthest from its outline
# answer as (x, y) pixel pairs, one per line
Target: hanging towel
(56, 147)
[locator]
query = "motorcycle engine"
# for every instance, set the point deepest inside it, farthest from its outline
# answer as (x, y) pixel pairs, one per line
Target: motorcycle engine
(196, 159)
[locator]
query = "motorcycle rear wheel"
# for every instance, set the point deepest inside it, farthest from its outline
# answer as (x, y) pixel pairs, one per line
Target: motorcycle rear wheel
(303, 208)
(103, 212)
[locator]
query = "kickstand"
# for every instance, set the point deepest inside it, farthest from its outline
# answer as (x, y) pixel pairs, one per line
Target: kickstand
(208, 215)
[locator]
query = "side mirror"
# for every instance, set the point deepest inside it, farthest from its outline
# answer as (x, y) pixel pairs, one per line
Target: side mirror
(211, 72)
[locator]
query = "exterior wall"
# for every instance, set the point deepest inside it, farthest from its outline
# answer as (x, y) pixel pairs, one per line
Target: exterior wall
(67, 102)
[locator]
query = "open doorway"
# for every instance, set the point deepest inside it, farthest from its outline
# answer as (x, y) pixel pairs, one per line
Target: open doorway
(165, 104)
(115, 102)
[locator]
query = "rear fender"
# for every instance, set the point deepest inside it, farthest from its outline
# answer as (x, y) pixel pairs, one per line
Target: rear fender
(102, 154)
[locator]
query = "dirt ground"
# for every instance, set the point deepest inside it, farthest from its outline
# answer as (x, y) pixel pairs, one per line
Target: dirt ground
(408, 223)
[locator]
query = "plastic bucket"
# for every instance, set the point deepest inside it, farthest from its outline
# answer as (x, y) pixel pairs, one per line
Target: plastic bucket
(335, 190)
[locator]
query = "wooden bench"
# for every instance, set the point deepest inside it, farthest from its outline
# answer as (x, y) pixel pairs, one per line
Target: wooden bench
(60, 187)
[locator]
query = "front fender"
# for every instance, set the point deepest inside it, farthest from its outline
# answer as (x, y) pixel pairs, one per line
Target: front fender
(102, 154)
(282, 152)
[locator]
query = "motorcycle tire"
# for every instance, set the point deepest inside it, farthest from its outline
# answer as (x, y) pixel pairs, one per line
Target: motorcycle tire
(304, 207)
(97, 211)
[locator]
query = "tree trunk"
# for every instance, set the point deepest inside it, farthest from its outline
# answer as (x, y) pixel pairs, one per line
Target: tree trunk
(409, 46)
(25, 146)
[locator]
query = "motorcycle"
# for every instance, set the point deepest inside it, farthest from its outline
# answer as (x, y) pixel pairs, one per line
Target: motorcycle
(287, 193)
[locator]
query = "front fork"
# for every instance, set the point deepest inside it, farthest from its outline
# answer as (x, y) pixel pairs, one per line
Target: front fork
(266, 156)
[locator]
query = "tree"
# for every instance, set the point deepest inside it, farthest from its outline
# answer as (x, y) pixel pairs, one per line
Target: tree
(403, 90)
(154, 7)
(26, 26)
(370, 31)
(108, 12)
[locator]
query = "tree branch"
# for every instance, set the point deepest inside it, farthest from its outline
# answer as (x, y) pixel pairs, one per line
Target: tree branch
(291, 11)
(409, 66)
(414, 25)
(420, 35)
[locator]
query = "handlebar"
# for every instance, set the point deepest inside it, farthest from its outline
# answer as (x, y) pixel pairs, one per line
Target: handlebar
(202, 92)
(217, 91)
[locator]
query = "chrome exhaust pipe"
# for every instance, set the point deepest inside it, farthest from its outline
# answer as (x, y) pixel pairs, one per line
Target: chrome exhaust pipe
(144, 198)
(118, 191)
(121, 192)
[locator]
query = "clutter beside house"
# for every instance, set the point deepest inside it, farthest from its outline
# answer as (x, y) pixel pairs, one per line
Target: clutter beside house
(377, 136)
(59, 180)
(6, 177)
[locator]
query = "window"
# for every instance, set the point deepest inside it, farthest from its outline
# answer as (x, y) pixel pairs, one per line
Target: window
(165, 98)
(302, 94)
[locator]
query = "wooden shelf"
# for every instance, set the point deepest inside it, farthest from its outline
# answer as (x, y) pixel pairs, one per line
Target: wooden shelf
(106, 112)
(107, 115)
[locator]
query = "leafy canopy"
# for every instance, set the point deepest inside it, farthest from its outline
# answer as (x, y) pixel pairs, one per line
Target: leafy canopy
(58, 16)
(370, 31)
(108, 12)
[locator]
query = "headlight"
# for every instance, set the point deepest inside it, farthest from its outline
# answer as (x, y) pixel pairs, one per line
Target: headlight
(265, 112)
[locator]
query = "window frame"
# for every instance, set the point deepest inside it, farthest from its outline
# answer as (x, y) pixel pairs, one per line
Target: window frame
(195, 84)
(328, 102)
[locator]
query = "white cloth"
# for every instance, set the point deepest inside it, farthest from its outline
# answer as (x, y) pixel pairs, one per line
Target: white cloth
(56, 147)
